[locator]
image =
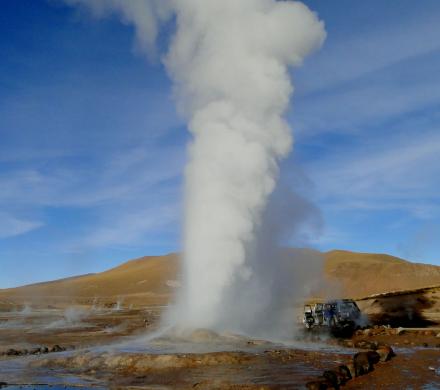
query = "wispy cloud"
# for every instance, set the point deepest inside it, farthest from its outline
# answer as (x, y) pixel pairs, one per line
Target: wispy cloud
(353, 56)
(402, 175)
(365, 105)
(11, 226)
(127, 188)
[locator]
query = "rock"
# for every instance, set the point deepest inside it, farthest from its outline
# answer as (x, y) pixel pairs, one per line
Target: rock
(437, 335)
(57, 348)
(385, 352)
(373, 357)
(12, 352)
(400, 331)
(348, 343)
(44, 350)
(345, 371)
(3, 384)
(364, 344)
(367, 332)
(425, 345)
(35, 351)
(363, 362)
(333, 377)
(350, 367)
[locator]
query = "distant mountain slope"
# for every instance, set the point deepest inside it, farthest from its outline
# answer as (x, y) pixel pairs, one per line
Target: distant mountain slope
(148, 279)
(151, 280)
(361, 274)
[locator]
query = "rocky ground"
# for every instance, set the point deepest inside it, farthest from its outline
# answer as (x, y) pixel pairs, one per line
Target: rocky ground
(107, 347)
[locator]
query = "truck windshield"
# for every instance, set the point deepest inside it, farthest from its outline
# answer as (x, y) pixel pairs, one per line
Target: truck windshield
(348, 306)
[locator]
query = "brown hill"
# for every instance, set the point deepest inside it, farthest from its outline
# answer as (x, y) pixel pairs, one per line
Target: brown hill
(148, 280)
(151, 280)
(361, 274)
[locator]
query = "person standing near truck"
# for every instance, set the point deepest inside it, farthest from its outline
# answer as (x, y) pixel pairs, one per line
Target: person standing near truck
(328, 313)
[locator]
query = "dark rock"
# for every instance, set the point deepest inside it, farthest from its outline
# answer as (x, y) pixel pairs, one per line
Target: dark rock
(373, 357)
(3, 384)
(12, 352)
(385, 352)
(361, 363)
(57, 348)
(345, 371)
(44, 350)
(333, 378)
(35, 351)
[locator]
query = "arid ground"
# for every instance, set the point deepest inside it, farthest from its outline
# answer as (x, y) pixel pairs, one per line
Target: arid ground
(104, 331)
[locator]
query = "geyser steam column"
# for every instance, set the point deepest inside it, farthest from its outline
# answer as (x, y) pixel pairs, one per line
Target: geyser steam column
(229, 60)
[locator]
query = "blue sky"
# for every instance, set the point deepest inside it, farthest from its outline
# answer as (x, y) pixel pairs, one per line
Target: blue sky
(92, 150)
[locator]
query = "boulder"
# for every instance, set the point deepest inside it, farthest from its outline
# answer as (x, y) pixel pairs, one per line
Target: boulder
(363, 362)
(373, 357)
(333, 377)
(385, 352)
(345, 372)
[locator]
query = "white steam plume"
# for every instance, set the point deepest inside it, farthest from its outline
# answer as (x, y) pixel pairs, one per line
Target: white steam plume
(229, 60)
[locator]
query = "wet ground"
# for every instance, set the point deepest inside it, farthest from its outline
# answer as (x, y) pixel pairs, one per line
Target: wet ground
(109, 348)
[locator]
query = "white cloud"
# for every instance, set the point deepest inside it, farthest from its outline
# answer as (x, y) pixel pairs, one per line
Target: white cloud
(11, 226)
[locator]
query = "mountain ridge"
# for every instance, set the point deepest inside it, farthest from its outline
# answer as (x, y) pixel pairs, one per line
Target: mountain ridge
(153, 279)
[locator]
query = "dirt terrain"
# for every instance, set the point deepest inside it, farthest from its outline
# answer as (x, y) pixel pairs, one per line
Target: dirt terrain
(101, 331)
(99, 347)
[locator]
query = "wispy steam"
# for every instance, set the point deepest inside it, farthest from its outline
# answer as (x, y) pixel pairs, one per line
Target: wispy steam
(229, 61)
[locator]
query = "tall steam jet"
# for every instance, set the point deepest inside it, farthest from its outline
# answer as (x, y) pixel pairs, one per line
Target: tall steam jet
(229, 61)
